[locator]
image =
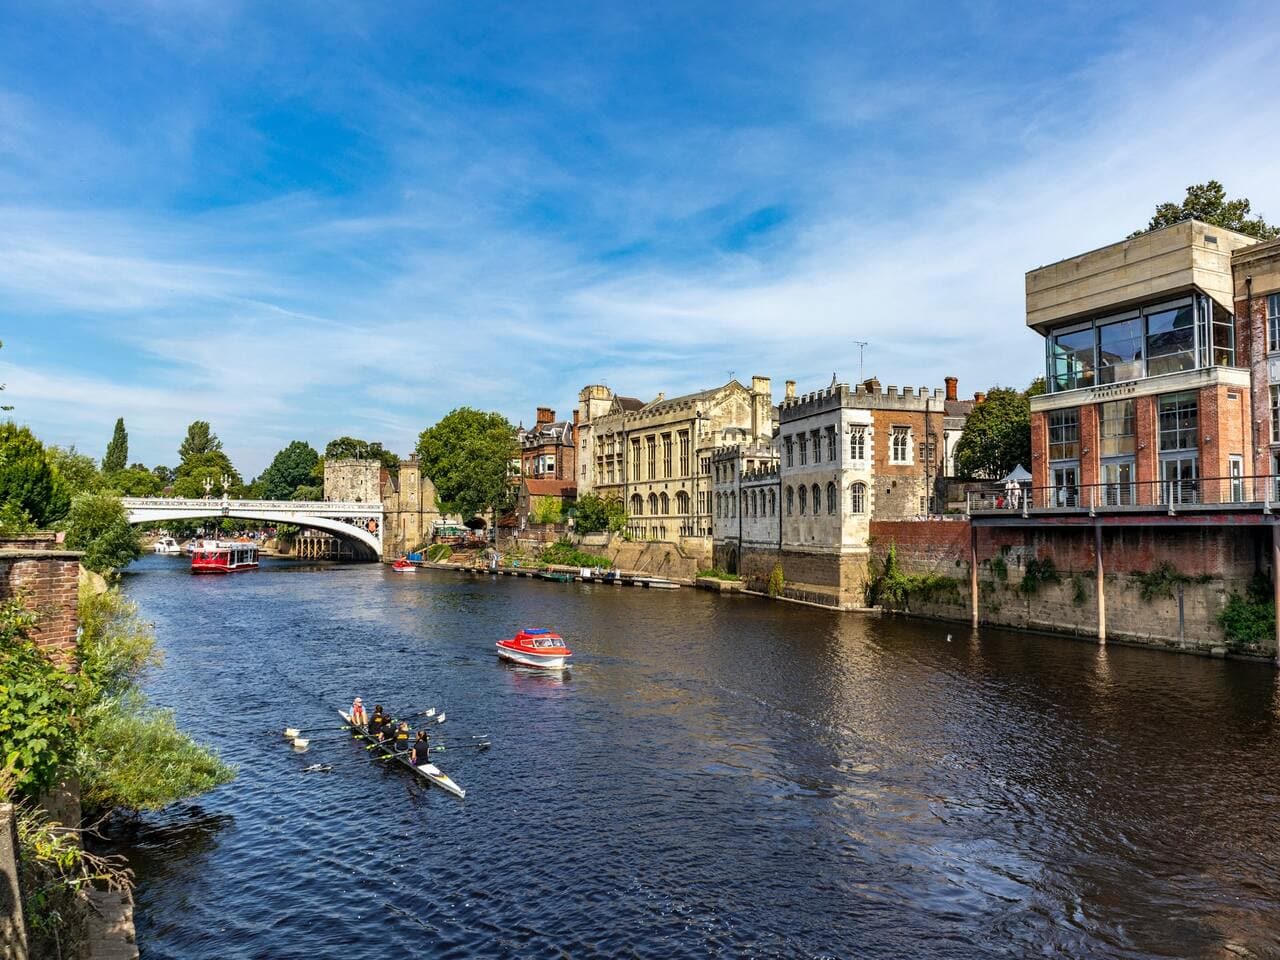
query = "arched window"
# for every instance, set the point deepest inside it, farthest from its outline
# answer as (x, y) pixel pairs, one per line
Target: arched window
(858, 498)
(773, 504)
(858, 444)
(665, 502)
(653, 503)
(803, 497)
(817, 500)
(833, 498)
(790, 500)
(682, 502)
(754, 508)
(733, 504)
(637, 505)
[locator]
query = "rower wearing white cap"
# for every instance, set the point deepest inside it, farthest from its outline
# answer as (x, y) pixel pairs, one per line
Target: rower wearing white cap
(358, 717)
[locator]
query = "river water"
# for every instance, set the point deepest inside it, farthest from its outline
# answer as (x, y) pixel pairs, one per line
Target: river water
(715, 777)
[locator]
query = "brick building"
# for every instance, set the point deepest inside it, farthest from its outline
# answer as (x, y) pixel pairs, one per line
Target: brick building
(1149, 347)
(1256, 277)
(548, 450)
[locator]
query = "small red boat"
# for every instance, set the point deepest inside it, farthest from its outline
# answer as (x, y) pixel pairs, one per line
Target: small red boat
(402, 565)
(535, 648)
(211, 556)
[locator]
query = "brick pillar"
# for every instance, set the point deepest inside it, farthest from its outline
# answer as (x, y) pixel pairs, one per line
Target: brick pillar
(48, 583)
(1089, 448)
(1146, 428)
(1039, 465)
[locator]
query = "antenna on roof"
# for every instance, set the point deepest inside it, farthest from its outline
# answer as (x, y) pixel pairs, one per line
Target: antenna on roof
(862, 345)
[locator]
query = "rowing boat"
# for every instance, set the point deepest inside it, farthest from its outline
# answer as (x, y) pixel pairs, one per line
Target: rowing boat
(428, 771)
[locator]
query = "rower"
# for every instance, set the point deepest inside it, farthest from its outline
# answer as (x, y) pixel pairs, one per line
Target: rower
(402, 737)
(358, 717)
(420, 753)
(377, 721)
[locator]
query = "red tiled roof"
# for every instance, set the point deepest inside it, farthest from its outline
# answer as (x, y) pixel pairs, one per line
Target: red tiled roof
(551, 488)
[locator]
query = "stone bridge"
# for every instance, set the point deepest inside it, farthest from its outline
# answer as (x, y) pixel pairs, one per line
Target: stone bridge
(357, 523)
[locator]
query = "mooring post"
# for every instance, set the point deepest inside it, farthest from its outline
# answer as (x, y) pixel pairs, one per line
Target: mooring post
(973, 575)
(1102, 583)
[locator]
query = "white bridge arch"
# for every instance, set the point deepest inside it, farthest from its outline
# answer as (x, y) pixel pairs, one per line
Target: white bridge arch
(359, 522)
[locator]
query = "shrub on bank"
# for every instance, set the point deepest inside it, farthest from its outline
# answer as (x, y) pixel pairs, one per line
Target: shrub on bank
(564, 553)
(718, 573)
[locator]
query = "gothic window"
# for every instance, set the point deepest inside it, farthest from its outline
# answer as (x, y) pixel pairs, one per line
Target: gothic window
(832, 498)
(803, 496)
(804, 449)
(682, 503)
(858, 444)
(817, 450)
(817, 500)
(665, 502)
(653, 503)
(831, 444)
(684, 453)
(666, 455)
(899, 444)
(651, 447)
(790, 500)
(773, 504)
(858, 498)
(637, 505)
(790, 452)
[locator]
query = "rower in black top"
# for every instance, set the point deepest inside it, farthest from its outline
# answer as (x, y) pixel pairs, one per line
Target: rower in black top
(420, 753)
(401, 737)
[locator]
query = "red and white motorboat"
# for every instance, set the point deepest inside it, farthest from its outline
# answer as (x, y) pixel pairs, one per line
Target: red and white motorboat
(535, 648)
(402, 565)
(212, 556)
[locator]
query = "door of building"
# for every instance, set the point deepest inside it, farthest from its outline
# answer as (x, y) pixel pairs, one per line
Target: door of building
(1117, 480)
(1065, 480)
(1181, 479)
(1236, 468)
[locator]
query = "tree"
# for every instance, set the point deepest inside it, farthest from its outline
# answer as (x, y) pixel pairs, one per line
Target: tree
(2, 407)
(200, 439)
(78, 471)
(1208, 202)
(996, 437)
(98, 525)
(290, 470)
(352, 448)
(27, 479)
(117, 454)
(136, 481)
(212, 465)
(164, 474)
(594, 513)
(467, 455)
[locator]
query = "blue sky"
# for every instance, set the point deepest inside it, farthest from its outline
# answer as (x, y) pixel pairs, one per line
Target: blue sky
(299, 220)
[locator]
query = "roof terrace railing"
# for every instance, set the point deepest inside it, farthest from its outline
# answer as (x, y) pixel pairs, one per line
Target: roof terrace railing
(1133, 496)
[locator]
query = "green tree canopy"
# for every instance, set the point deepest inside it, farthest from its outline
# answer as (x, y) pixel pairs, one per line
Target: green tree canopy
(290, 470)
(467, 455)
(136, 481)
(352, 448)
(117, 454)
(594, 513)
(996, 437)
(212, 466)
(1208, 202)
(78, 470)
(98, 525)
(28, 479)
(200, 439)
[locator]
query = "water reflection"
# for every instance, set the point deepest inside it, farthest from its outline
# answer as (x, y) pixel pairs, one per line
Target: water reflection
(724, 776)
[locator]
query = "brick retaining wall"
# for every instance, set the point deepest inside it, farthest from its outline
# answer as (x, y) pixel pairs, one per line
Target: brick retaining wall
(47, 581)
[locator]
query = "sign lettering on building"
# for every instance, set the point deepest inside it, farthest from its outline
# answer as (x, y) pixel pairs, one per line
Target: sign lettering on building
(1111, 393)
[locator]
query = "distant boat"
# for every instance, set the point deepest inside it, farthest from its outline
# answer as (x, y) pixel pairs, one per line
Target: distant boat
(167, 546)
(559, 576)
(213, 556)
(657, 583)
(402, 565)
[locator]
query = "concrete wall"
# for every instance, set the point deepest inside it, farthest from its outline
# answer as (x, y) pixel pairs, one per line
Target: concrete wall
(1211, 563)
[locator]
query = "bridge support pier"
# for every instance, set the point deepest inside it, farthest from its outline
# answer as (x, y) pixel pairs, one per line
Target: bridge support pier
(1102, 583)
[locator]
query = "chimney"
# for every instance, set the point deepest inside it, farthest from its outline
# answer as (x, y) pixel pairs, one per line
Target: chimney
(791, 389)
(545, 415)
(575, 419)
(951, 383)
(979, 396)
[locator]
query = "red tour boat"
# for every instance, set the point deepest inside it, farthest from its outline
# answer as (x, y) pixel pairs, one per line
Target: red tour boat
(212, 556)
(535, 648)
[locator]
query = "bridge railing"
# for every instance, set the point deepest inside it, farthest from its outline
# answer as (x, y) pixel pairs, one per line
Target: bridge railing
(305, 506)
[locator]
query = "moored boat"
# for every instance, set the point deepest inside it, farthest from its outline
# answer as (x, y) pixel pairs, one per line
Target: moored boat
(213, 556)
(428, 771)
(402, 565)
(535, 648)
(167, 546)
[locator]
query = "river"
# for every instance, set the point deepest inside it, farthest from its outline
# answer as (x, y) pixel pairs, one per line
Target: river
(714, 777)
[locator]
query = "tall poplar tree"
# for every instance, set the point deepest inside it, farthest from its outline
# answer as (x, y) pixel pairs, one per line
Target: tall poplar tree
(117, 455)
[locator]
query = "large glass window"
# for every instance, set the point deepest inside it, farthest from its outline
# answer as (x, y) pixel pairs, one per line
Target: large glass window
(1071, 359)
(1273, 322)
(1064, 434)
(1171, 340)
(1275, 413)
(1120, 350)
(1115, 424)
(1179, 422)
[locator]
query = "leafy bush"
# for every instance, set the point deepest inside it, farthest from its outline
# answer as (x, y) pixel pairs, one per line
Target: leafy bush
(27, 477)
(438, 552)
(98, 526)
(1250, 620)
(1159, 582)
(563, 552)
(1038, 572)
(38, 704)
(547, 510)
(776, 581)
(593, 513)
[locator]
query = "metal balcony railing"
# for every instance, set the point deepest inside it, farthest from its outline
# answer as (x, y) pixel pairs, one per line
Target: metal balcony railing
(1244, 492)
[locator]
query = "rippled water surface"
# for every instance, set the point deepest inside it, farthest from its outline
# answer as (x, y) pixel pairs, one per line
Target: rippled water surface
(715, 777)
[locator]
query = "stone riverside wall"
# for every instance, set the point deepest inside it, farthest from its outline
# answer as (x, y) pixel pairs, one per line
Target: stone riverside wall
(1210, 563)
(47, 582)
